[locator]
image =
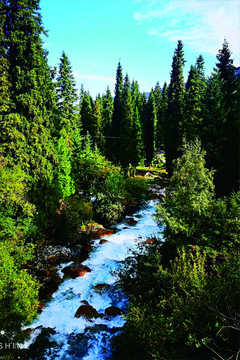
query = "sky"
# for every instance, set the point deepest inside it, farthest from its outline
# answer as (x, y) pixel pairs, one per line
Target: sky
(142, 34)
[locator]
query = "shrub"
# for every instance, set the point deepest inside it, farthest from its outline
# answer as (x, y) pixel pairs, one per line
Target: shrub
(188, 310)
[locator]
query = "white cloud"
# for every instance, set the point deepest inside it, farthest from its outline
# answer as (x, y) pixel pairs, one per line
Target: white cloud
(93, 77)
(200, 24)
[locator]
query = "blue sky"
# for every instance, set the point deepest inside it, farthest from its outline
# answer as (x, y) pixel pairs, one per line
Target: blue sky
(95, 34)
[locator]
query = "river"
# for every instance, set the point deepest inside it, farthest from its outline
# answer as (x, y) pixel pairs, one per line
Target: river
(57, 334)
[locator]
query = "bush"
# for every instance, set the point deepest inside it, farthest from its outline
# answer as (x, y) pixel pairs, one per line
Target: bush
(188, 310)
(136, 190)
(190, 212)
(184, 292)
(106, 186)
(18, 289)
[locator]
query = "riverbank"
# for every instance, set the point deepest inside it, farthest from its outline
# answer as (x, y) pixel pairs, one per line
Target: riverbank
(85, 312)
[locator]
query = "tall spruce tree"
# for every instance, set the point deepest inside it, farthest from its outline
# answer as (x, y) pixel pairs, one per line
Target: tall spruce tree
(126, 124)
(175, 112)
(137, 154)
(117, 115)
(107, 113)
(195, 88)
(157, 95)
(227, 176)
(150, 128)
(86, 114)
(32, 114)
(214, 116)
(163, 112)
(67, 94)
(97, 124)
(68, 134)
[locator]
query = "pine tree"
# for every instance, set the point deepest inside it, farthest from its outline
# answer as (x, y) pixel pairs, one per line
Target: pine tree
(138, 108)
(227, 176)
(157, 96)
(68, 133)
(32, 114)
(86, 114)
(214, 116)
(107, 113)
(175, 112)
(67, 94)
(150, 128)
(117, 115)
(97, 124)
(126, 125)
(163, 112)
(195, 88)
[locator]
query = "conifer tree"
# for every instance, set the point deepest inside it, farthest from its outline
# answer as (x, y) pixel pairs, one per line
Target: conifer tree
(150, 128)
(227, 175)
(137, 154)
(157, 96)
(67, 94)
(163, 111)
(195, 88)
(126, 125)
(86, 114)
(175, 110)
(213, 118)
(68, 128)
(117, 115)
(107, 113)
(32, 115)
(97, 124)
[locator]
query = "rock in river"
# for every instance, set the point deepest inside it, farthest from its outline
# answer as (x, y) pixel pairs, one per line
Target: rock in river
(87, 311)
(75, 271)
(113, 311)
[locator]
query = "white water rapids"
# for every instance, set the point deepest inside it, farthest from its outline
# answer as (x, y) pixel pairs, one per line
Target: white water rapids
(67, 337)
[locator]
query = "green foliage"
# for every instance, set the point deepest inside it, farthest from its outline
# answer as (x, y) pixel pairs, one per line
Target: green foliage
(181, 311)
(189, 197)
(18, 290)
(193, 104)
(175, 111)
(150, 127)
(136, 190)
(64, 168)
(100, 181)
(190, 212)
(184, 291)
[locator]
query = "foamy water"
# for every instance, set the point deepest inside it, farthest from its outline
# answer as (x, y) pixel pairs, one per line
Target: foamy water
(74, 338)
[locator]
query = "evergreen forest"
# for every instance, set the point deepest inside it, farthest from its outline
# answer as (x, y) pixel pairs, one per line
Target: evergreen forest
(68, 160)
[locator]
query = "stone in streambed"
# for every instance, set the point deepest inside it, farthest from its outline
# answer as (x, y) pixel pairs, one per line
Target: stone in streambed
(151, 241)
(88, 312)
(131, 221)
(113, 311)
(74, 271)
(103, 241)
(101, 287)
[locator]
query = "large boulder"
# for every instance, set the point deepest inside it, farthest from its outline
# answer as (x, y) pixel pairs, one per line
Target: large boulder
(101, 287)
(113, 311)
(131, 221)
(103, 241)
(87, 311)
(74, 271)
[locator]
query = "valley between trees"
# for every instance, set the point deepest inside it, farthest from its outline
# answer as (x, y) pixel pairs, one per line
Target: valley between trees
(68, 162)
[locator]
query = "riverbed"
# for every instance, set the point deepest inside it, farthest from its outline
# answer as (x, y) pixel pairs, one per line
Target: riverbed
(57, 333)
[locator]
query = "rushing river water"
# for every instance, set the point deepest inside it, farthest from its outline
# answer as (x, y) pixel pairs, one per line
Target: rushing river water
(57, 334)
